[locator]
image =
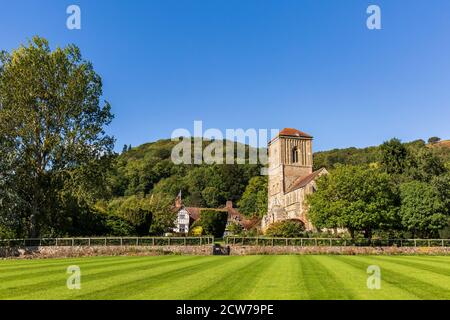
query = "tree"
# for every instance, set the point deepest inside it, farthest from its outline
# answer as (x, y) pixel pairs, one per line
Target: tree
(425, 165)
(423, 211)
(213, 222)
(163, 215)
(433, 140)
(394, 156)
(254, 198)
(355, 198)
(52, 118)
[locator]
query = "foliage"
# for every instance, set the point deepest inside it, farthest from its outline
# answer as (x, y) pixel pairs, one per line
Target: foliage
(254, 199)
(234, 228)
(52, 123)
(354, 197)
(213, 222)
(423, 211)
(196, 231)
(434, 139)
(394, 156)
(286, 229)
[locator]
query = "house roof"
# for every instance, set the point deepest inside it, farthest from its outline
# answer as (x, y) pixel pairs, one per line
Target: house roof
(233, 214)
(301, 182)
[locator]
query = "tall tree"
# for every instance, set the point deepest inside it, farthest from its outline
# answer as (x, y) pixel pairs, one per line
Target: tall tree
(52, 115)
(423, 210)
(394, 156)
(355, 198)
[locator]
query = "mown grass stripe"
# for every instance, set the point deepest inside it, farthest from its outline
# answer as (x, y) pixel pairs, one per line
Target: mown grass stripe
(236, 282)
(135, 283)
(57, 281)
(418, 265)
(194, 283)
(321, 283)
(33, 273)
(355, 279)
(287, 284)
(44, 263)
(419, 288)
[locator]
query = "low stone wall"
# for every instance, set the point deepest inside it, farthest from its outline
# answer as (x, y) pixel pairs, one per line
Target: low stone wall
(82, 251)
(269, 250)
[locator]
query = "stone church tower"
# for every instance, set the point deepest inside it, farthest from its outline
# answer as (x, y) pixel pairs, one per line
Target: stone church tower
(291, 176)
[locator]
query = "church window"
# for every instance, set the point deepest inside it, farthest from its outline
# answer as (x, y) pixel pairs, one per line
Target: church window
(295, 155)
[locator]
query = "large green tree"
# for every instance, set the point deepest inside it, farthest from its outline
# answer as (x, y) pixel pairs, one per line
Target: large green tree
(52, 119)
(355, 198)
(423, 210)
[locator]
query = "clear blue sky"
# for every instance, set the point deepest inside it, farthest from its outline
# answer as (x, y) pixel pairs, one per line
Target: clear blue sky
(311, 64)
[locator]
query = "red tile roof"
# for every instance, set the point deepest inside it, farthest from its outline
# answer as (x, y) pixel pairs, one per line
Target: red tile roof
(293, 133)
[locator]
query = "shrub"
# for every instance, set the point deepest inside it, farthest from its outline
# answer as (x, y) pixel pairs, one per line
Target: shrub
(213, 222)
(286, 229)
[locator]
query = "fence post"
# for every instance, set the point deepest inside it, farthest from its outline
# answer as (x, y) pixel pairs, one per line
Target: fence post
(168, 241)
(429, 243)
(137, 241)
(272, 242)
(315, 241)
(73, 242)
(56, 243)
(89, 242)
(301, 242)
(153, 241)
(121, 242)
(331, 244)
(105, 242)
(415, 242)
(184, 241)
(442, 242)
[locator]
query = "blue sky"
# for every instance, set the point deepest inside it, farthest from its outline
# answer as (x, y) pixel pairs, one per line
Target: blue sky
(262, 64)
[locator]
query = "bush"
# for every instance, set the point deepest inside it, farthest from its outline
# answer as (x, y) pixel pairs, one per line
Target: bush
(213, 222)
(286, 229)
(118, 226)
(235, 228)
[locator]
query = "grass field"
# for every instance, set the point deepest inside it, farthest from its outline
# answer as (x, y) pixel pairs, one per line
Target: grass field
(232, 277)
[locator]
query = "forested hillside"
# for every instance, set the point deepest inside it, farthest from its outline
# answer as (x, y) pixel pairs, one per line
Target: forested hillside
(358, 156)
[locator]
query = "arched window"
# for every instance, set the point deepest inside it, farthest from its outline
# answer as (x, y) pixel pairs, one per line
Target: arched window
(294, 155)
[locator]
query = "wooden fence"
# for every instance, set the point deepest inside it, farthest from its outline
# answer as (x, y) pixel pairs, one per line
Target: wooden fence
(304, 242)
(109, 241)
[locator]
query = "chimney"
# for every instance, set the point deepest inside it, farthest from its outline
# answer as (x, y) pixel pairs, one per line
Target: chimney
(229, 204)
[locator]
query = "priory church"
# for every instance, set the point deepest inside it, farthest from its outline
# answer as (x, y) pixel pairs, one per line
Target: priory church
(291, 177)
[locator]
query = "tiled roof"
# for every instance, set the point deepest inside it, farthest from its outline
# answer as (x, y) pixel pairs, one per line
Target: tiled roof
(305, 180)
(233, 214)
(293, 133)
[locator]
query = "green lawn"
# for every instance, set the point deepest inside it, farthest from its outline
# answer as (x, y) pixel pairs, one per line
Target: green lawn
(233, 277)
